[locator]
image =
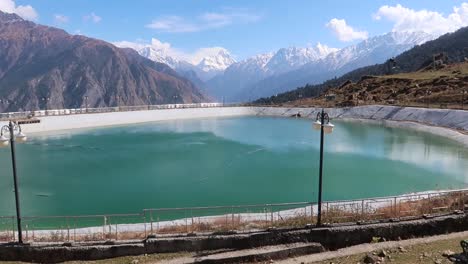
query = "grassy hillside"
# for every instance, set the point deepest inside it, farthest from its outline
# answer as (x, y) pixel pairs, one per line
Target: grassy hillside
(446, 86)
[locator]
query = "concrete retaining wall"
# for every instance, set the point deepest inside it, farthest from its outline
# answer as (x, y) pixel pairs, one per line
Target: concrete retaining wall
(80, 121)
(331, 238)
(429, 120)
(453, 119)
(444, 122)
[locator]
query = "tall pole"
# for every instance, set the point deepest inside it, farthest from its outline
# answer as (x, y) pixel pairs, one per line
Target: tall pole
(15, 180)
(463, 100)
(319, 216)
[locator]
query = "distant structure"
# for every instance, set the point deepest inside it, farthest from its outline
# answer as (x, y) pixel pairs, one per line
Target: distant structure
(392, 66)
(330, 97)
(439, 60)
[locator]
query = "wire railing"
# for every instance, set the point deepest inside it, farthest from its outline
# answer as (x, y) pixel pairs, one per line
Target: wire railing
(228, 219)
(73, 111)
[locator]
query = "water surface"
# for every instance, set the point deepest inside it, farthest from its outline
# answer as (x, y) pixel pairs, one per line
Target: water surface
(205, 162)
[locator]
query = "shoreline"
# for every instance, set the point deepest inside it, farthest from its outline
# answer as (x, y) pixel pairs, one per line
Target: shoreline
(446, 123)
(442, 122)
(252, 220)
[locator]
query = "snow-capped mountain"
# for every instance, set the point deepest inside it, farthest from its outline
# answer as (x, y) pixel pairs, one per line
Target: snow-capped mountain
(271, 73)
(288, 59)
(368, 52)
(247, 72)
(217, 62)
(206, 67)
(159, 55)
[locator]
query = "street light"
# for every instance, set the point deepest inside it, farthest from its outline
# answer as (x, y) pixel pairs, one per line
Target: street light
(428, 92)
(46, 101)
(86, 103)
(463, 99)
(15, 134)
(322, 123)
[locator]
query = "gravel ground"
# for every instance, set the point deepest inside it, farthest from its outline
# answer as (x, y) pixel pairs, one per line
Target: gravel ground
(418, 250)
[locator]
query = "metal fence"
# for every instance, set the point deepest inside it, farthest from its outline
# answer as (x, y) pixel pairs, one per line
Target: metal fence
(55, 112)
(225, 219)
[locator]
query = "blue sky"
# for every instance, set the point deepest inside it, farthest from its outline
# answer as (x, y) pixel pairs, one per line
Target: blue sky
(243, 27)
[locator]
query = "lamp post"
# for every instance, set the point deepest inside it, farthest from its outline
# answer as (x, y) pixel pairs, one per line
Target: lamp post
(46, 101)
(322, 123)
(428, 92)
(86, 103)
(15, 134)
(463, 99)
(149, 101)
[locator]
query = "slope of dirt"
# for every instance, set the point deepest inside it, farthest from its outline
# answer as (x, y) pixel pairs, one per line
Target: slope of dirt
(445, 86)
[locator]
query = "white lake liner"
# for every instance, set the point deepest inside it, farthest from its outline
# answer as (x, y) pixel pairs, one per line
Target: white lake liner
(309, 210)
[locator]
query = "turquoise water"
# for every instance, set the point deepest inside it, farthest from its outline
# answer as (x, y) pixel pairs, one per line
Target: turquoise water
(245, 160)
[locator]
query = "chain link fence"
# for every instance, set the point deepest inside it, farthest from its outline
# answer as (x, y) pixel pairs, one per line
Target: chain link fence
(228, 219)
(56, 112)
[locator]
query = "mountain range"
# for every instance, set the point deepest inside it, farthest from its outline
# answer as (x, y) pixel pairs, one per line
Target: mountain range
(452, 46)
(45, 67)
(286, 69)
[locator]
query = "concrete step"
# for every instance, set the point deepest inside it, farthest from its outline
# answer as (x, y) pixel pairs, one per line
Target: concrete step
(268, 253)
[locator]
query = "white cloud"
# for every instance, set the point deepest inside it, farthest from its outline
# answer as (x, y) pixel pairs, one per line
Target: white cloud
(24, 11)
(92, 17)
(60, 19)
(165, 48)
(173, 24)
(344, 32)
(432, 22)
(205, 21)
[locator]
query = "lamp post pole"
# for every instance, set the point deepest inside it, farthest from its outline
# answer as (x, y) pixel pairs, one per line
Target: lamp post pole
(46, 101)
(322, 123)
(463, 100)
(319, 216)
(11, 128)
(15, 182)
(86, 103)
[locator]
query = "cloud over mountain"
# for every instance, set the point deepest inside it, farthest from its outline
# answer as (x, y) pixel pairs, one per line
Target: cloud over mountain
(24, 11)
(432, 22)
(344, 32)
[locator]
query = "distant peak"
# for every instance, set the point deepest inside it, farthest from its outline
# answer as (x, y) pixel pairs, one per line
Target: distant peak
(9, 17)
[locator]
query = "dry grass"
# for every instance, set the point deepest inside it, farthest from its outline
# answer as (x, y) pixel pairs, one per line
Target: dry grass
(350, 212)
(441, 88)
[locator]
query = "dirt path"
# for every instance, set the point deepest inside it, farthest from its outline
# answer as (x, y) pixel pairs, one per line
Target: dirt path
(365, 248)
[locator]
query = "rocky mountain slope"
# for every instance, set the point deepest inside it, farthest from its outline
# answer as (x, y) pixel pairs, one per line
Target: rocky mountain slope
(39, 62)
(432, 86)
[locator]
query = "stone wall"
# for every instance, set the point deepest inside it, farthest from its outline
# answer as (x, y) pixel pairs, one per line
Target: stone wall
(331, 238)
(444, 122)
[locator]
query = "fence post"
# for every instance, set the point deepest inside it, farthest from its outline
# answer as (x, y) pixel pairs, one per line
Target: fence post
(74, 229)
(362, 209)
(312, 213)
(395, 206)
(232, 218)
(68, 230)
(104, 222)
(144, 221)
(271, 214)
(186, 221)
(191, 216)
(461, 201)
(151, 222)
